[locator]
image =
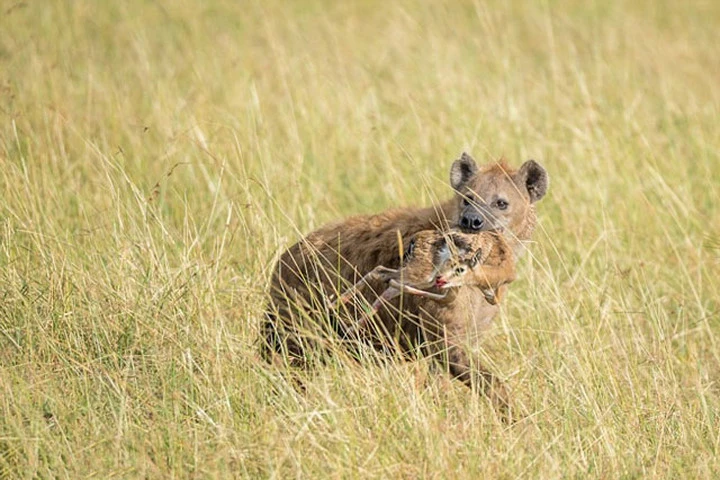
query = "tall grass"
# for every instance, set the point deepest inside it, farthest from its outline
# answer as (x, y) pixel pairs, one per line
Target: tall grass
(156, 156)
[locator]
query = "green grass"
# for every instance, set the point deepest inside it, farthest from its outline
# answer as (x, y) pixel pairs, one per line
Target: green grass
(156, 156)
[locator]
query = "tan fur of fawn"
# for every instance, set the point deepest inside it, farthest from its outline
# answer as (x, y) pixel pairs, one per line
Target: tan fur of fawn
(317, 268)
(443, 261)
(435, 265)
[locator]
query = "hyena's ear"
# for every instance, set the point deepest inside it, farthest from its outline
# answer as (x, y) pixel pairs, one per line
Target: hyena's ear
(534, 178)
(462, 170)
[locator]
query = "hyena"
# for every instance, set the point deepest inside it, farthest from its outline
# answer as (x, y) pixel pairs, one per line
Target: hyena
(315, 270)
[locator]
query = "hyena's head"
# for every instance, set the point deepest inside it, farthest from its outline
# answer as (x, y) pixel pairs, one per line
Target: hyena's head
(497, 197)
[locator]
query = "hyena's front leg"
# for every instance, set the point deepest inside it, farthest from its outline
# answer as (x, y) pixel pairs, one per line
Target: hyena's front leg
(444, 343)
(476, 376)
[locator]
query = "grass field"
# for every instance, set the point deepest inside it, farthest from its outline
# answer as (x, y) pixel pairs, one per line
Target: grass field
(156, 156)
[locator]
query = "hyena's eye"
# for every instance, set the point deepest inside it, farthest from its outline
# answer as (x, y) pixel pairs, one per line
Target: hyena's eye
(501, 204)
(466, 201)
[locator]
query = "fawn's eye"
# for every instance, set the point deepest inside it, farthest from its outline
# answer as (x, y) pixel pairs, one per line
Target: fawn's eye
(501, 204)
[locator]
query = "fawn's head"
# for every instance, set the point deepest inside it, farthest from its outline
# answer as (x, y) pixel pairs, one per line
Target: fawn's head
(434, 258)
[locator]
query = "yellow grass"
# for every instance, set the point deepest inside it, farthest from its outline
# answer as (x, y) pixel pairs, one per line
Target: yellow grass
(156, 156)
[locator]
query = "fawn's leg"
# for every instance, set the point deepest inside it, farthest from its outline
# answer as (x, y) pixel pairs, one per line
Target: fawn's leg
(495, 296)
(416, 291)
(378, 273)
(389, 293)
(392, 292)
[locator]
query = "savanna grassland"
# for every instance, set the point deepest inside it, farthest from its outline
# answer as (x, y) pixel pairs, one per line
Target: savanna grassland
(156, 156)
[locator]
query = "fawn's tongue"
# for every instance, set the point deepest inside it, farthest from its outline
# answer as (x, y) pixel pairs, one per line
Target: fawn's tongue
(440, 282)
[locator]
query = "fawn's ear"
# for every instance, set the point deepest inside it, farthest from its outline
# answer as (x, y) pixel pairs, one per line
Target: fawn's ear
(475, 258)
(534, 178)
(462, 170)
(409, 251)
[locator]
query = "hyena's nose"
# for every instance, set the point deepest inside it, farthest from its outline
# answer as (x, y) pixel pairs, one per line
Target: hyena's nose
(472, 222)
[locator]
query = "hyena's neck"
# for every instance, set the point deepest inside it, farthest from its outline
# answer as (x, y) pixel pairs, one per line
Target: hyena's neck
(376, 241)
(519, 239)
(438, 217)
(408, 222)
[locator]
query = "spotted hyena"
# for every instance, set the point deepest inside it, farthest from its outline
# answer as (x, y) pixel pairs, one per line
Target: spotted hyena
(311, 274)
